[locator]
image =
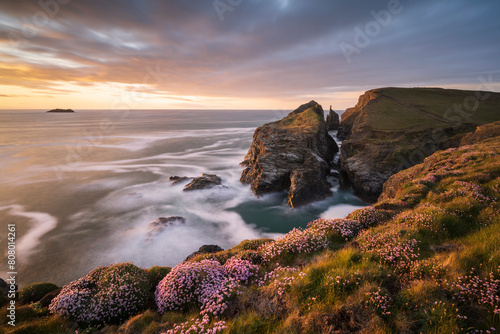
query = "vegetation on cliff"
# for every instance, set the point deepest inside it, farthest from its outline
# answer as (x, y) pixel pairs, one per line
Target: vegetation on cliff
(424, 259)
(392, 129)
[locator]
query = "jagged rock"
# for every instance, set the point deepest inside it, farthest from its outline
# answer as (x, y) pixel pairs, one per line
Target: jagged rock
(332, 120)
(205, 249)
(293, 154)
(179, 179)
(392, 129)
(205, 181)
(157, 226)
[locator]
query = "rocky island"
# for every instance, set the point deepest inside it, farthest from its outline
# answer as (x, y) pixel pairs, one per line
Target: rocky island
(293, 154)
(61, 110)
(391, 129)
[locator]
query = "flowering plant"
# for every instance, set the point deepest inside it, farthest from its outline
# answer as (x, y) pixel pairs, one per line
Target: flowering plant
(105, 295)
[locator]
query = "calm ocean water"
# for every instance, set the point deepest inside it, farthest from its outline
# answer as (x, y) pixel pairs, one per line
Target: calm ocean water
(82, 188)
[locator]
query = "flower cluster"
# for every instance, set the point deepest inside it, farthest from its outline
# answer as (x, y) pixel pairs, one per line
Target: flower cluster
(466, 189)
(202, 284)
(481, 291)
(344, 285)
(368, 216)
(281, 278)
(380, 301)
(429, 179)
(241, 270)
(105, 295)
(471, 156)
(296, 241)
(426, 268)
(390, 246)
(345, 227)
(446, 171)
(414, 221)
(197, 326)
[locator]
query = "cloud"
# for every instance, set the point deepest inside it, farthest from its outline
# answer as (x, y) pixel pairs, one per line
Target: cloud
(261, 49)
(12, 95)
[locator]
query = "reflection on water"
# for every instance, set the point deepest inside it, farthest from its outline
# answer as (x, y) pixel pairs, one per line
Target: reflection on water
(82, 188)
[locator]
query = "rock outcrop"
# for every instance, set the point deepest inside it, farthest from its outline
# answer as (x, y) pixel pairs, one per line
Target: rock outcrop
(332, 120)
(179, 179)
(205, 249)
(205, 181)
(159, 225)
(293, 154)
(392, 129)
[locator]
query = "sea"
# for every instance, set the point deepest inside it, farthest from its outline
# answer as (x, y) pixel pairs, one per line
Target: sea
(80, 189)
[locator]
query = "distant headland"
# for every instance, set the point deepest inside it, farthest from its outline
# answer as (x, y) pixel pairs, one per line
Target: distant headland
(61, 110)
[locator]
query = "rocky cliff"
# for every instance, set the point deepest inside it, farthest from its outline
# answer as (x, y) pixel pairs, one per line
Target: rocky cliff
(391, 129)
(292, 154)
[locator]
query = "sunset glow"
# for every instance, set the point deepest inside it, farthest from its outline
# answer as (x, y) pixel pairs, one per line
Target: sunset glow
(249, 55)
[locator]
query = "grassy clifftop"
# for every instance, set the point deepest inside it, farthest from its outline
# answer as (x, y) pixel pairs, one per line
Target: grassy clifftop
(392, 129)
(425, 259)
(307, 121)
(417, 109)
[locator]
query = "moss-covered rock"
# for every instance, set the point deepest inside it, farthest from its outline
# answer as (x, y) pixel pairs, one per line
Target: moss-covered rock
(157, 273)
(36, 291)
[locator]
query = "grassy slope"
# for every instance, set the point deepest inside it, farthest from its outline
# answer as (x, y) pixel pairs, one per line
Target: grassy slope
(307, 121)
(427, 253)
(415, 109)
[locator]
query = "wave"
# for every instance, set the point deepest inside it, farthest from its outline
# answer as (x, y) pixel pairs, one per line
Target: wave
(41, 224)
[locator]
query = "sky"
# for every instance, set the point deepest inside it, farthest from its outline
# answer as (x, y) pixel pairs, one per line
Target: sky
(239, 54)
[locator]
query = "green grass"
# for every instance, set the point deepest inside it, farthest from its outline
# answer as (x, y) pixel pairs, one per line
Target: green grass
(36, 291)
(308, 121)
(416, 109)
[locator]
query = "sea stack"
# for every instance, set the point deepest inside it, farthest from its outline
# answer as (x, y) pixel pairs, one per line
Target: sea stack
(293, 154)
(332, 120)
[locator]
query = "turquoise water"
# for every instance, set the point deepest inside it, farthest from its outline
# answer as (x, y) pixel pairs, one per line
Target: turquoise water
(82, 188)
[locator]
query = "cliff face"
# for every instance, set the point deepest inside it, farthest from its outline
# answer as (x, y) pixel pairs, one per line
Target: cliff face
(392, 129)
(292, 154)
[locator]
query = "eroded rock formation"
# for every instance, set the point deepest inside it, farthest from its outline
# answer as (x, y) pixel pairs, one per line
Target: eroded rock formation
(293, 154)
